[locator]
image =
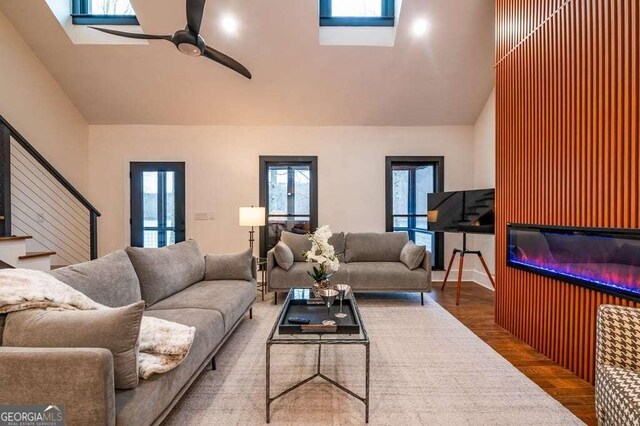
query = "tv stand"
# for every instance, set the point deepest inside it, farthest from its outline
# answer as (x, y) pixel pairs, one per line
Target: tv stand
(462, 253)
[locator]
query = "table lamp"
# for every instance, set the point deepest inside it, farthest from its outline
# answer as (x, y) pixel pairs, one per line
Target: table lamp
(252, 216)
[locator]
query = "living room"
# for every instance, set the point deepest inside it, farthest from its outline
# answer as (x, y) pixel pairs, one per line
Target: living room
(466, 171)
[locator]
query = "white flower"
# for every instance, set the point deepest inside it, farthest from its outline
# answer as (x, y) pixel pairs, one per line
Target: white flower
(321, 251)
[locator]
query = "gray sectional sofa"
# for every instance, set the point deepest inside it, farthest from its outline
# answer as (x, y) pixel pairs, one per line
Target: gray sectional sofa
(368, 262)
(212, 293)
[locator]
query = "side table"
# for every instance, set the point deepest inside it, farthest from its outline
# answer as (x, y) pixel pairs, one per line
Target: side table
(261, 263)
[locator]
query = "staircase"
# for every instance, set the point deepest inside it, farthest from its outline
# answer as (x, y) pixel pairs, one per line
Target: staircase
(13, 252)
(44, 221)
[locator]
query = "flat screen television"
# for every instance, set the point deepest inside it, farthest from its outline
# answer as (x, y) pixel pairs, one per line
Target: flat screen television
(471, 211)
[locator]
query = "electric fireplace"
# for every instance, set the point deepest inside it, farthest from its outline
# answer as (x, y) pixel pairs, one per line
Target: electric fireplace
(603, 259)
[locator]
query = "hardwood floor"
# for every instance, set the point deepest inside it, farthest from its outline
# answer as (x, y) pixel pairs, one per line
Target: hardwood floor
(476, 311)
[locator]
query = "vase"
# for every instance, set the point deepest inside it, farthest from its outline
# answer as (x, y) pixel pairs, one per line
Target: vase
(319, 285)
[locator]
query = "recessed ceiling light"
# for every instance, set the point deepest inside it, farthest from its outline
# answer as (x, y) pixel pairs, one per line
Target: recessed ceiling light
(420, 27)
(230, 24)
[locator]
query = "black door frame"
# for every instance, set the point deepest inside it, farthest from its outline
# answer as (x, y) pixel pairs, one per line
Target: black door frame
(136, 221)
(391, 161)
(284, 160)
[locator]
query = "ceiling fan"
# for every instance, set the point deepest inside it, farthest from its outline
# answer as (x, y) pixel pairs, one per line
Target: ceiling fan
(189, 41)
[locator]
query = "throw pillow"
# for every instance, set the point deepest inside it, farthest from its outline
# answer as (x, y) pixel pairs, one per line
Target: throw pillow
(412, 255)
(115, 329)
(283, 255)
(235, 266)
(168, 270)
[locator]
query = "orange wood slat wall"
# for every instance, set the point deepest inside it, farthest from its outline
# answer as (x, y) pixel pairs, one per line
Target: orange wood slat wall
(567, 93)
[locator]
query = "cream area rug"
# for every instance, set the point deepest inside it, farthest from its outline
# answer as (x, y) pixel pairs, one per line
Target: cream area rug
(427, 368)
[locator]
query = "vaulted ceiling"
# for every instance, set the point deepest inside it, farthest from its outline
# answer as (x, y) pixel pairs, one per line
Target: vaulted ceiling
(443, 78)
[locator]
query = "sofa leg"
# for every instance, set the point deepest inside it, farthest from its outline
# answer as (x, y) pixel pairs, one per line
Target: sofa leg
(250, 313)
(275, 297)
(213, 363)
(422, 298)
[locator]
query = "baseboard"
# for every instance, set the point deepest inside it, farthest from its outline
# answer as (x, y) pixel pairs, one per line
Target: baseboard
(478, 277)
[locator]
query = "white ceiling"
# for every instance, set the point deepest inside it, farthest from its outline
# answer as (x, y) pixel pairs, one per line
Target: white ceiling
(442, 79)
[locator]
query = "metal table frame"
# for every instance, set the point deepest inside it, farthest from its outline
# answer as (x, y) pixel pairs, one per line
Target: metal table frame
(317, 341)
(261, 266)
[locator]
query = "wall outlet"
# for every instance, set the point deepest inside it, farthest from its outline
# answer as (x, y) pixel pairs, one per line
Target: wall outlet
(201, 216)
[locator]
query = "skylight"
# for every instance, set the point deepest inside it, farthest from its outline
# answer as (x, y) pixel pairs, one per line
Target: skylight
(357, 13)
(111, 7)
(103, 12)
(354, 8)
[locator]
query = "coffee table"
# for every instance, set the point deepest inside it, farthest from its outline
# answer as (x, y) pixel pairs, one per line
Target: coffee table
(321, 337)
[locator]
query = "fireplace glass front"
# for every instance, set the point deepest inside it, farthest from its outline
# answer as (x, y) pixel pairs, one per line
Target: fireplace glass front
(600, 258)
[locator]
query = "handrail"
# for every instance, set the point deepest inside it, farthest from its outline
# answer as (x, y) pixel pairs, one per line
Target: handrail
(7, 131)
(48, 166)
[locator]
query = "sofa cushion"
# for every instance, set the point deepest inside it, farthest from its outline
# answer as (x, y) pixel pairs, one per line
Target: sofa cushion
(230, 298)
(387, 276)
(148, 401)
(116, 329)
(412, 255)
(297, 276)
(283, 255)
(165, 271)
(298, 243)
(337, 240)
(235, 266)
(110, 280)
(375, 247)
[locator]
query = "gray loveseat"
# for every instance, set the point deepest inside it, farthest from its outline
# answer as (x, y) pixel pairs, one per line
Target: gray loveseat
(368, 262)
(178, 284)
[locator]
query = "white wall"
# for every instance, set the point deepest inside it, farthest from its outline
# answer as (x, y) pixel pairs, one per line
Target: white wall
(484, 176)
(222, 172)
(33, 103)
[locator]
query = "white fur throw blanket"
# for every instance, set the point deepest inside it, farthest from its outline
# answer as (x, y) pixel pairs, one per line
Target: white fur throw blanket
(162, 344)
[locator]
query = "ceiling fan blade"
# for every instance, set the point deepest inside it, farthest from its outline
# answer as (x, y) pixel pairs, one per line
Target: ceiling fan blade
(195, 10)
(227, 61)
(133, 35)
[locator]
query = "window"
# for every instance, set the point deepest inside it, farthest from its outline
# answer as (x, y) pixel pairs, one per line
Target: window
(357, 13)
(105, 12)
(289, 193)
(157, 204)
(408, 182)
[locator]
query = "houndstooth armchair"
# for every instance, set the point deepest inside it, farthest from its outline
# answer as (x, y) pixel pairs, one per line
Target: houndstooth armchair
(618, 366)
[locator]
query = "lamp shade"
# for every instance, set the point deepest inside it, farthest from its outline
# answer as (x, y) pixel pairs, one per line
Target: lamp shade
(252, 216)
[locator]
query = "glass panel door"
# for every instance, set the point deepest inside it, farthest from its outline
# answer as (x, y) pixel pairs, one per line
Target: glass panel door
(411, 185)
(157, 204)
(288, 201)
(287, 189)
(409, 181)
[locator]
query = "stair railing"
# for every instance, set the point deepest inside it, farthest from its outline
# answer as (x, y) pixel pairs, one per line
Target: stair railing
(29, 158)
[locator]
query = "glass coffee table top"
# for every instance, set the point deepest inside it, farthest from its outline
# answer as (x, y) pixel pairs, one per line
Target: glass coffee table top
(306, 294)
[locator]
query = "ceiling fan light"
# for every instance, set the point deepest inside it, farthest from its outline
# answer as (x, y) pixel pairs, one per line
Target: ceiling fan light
(189, 49)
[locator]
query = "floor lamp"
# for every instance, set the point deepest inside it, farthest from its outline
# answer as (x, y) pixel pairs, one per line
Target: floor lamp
(252, 216)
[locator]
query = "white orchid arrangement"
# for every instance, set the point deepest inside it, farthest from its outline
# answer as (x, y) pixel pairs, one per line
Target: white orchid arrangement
(322, 253)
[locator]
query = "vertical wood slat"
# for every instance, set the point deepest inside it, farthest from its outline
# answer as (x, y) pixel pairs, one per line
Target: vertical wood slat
(567, 153)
